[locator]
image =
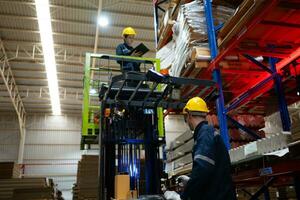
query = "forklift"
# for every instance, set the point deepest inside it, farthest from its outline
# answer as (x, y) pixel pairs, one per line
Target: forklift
(124, 116)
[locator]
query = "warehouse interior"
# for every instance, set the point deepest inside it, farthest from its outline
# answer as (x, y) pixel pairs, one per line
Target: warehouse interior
(75, 125)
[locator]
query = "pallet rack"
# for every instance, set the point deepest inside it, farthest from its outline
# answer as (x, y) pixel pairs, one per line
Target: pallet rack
(268, 29)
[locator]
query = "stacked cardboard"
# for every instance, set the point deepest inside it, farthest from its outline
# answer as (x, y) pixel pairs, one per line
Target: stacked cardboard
(87, 177)
(25, 188)
(33, 193)
(295, 129)
(166, 55)
(9, 170)
(75, 191)
(190, 31)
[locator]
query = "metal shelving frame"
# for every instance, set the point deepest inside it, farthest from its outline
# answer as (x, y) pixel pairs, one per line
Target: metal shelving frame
(272, 71)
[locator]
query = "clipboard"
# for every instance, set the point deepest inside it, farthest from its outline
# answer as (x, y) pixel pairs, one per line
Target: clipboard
(140, 48)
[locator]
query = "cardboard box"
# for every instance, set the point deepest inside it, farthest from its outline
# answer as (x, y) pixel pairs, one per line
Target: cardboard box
(122, 187)
(87, 177)
(200, 54)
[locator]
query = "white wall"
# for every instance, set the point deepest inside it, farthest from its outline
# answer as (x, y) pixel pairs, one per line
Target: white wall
(52, 147)
(9, 137)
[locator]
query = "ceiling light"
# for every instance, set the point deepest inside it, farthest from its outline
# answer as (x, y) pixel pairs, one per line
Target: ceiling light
(44, 21)
(103, 21)
(93, 91)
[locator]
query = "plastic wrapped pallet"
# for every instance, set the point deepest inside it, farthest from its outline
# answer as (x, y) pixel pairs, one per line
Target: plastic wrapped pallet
(190, 30)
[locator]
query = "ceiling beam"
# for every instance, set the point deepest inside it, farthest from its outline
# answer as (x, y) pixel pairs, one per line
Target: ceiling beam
(80, 8)
(11, 86)
(59, 47)
(12, 89)
(72, 22)
(82, 35)
(56, 45)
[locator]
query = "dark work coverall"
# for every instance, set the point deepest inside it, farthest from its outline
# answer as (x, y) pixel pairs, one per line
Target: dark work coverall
(211, 177)
(124, 50)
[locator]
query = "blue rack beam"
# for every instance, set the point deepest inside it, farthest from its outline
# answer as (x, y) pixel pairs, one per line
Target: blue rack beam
(216, 72)
(257, 63)
(248, 93)
(284, 112)
(247, 130)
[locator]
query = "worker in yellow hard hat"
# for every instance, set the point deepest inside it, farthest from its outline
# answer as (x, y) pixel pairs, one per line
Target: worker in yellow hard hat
(125, 49)
(210, 177)
(195, 111)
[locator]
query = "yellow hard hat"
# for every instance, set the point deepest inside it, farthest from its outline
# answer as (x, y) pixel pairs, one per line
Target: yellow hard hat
(195, 104)
(128, 31)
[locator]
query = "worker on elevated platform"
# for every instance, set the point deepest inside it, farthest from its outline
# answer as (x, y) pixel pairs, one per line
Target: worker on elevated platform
(125, 49)
(210, 177)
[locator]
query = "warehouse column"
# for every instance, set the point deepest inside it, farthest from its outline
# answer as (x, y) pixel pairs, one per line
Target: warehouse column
(216, 73)
(9, 81)
(21, 145)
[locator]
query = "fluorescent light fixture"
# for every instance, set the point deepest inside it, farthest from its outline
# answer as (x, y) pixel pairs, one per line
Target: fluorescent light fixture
(103, 21)
(44, 21)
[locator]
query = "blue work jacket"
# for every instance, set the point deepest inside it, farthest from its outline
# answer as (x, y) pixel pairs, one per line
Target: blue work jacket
(125, 50)
(211, 176)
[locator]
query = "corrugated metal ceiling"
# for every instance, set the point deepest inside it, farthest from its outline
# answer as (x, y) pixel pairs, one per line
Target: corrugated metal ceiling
(74, 27)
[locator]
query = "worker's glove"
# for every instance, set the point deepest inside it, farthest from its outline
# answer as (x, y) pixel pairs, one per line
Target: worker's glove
(163, 188)
(182, 180)
(171, 195)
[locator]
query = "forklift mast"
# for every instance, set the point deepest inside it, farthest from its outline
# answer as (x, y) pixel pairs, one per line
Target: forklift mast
(124, 116)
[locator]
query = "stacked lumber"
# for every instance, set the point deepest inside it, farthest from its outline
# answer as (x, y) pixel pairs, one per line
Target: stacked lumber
(87, 177)
(9, 170)
(25, 188)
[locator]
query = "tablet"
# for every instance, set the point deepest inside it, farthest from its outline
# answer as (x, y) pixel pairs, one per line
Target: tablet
(140, 48)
